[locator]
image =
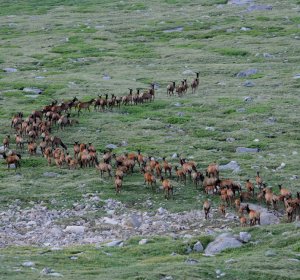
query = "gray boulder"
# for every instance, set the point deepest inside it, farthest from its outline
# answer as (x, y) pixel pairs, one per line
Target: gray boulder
(75, 229)
(10, 70)
(244, 236)
(114, 243)
(233, 165)
(246, 73)
(246, 150)
(221, 243)
(111, 146)
(33, 90)
(198, 247)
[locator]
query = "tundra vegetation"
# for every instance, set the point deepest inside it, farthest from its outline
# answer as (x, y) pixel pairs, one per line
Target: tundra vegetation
(243, 106)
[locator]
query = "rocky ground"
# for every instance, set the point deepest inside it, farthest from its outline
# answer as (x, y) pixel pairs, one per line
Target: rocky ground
(42, 226)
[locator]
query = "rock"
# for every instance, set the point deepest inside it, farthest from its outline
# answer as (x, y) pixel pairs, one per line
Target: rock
(297, 76)
(247, 150)
(143, 241)
(281, 166)
(28, 264)
(161, 211)
(271, 120)
(244, 236)
(168, 277)
(232, 165)
(297, 224)
(188, 250)
(174, 155)
(180, 114)
(267, 218)
(10, 70)
(241, 110)
(111, 146)
(270, 253)
(210, 128)
(259, 8)
(192, 261)
(267, 55)
(177, 104)
(231, 261)
(245, 29)
(198, 247)
(230, 139)
(248, 99)
(50, 272)
(114, 243)
(248, 84)
(39, 77)
(110, 221)
(75, 229)
(51, 174)
(239, 2)
(221, 243)
(136, 220)
(106, 77)
(13, 166)
(124, 143)
(33, 90)
(31, 223)
(188, 72)
(246, 73)
(175, 29)
(293, 260)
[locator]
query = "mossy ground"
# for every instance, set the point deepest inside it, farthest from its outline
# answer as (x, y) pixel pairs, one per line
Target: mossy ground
(72, 45)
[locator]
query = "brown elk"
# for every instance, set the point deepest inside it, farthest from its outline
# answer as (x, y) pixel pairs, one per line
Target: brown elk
(206, 208)
(195, 83)
(84, 105)
(6, 141)
(13, 158)
(167, 187)
(170, 88)
(254, 216)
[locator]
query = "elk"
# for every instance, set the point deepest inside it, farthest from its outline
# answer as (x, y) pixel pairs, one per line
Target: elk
(284, 192)
(170, 88)
(206, 208)
(167, 167)
(195, 83)
(254, 216)
(12, 159)
(250, 187)
(118, 184)
(222, 209)
(104, 167)
(149, 178)
(180, 174)
(168, 188)
(84, 105)
(258, 180)
(19, 142)
(32, 147)
(6, 141)
(212, 170)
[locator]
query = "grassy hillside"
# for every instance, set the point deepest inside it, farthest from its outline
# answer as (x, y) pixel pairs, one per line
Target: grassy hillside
(70, 48)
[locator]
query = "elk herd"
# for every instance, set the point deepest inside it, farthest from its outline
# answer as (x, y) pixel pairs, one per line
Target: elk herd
(35, 131)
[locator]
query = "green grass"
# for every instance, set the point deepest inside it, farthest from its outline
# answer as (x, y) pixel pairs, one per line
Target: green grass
(74, 43)
(163, 256)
